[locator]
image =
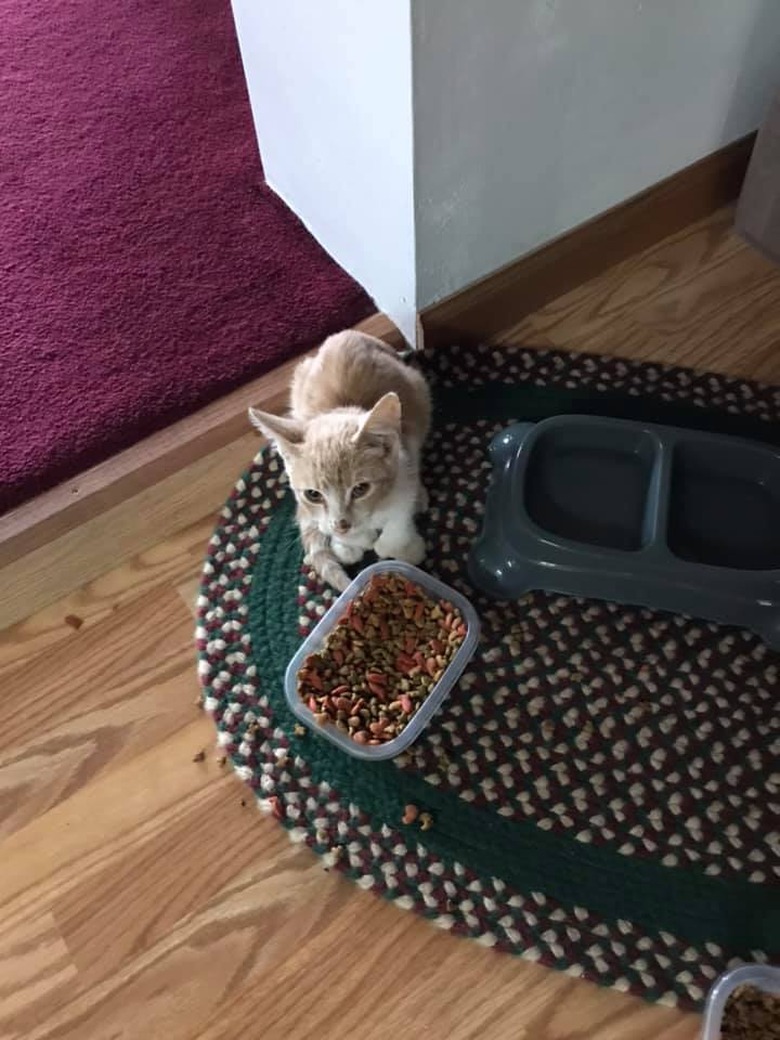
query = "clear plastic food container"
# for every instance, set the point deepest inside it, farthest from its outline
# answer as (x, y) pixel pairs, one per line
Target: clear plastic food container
(762, 976)
(315, 640)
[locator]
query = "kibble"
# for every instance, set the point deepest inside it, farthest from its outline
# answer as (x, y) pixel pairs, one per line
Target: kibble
(751, 1014)
(277, 809)
(411, 812)
(426, 821)
(381, 661)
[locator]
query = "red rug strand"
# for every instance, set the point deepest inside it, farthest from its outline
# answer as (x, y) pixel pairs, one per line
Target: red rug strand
(146, 268)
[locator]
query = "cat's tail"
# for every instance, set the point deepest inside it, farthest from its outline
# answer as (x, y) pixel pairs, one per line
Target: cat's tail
(319, 555)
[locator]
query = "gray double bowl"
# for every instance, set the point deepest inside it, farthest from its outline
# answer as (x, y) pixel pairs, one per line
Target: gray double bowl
(638, 513)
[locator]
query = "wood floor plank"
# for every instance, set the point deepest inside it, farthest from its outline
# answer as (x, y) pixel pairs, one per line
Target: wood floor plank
(136, 901)
(35, 964)
(108, 694)
(264, 913)
(74, 839)
(260, 956)
(173, 560)
(395, 969)
(49, 572)
(289, 952)
(702, 298)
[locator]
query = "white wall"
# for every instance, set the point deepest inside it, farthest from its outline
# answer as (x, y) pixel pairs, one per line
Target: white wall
(330, 88)
(531, 116)
(428, 142)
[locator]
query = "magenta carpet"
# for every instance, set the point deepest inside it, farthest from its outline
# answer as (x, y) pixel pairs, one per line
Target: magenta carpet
(146, 268)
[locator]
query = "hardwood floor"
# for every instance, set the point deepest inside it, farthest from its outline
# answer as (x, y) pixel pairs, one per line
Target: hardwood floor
(142, 895)
(701, 298)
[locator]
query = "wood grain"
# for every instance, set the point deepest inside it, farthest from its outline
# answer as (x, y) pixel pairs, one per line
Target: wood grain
(701, 298)
(35, 965)
(143, 896)
(506, 296)
(174, 559)
(49, 572)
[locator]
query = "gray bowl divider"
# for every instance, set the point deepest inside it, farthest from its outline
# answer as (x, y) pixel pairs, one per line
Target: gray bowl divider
(638, 513)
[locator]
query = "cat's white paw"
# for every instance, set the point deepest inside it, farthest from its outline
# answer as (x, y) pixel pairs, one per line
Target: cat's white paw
(347, 553)
(411, 551)
(340, 580)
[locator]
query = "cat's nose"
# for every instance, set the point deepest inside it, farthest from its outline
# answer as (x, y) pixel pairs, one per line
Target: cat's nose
(341, 526)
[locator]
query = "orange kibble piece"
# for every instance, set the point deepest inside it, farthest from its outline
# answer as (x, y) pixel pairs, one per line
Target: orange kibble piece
(411, 812)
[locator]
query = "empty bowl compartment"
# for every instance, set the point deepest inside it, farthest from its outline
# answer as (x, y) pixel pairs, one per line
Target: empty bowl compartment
(724, 507)
(587, 485)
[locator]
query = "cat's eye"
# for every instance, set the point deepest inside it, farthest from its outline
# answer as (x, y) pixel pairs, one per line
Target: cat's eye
(361, 490)
(312, 495)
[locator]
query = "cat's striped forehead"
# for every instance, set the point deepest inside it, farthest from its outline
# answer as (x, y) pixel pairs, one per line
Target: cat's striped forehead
(332, 456)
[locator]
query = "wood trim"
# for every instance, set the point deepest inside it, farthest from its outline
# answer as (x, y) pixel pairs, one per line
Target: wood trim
(503, 298)
(77, 501)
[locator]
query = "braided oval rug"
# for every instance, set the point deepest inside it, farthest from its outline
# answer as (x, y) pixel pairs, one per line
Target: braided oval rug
(603, 780)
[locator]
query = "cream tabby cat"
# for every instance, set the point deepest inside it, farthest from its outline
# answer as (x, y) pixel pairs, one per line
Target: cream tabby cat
(351, 448)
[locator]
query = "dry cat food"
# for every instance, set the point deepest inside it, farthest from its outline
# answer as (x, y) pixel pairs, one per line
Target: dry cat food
(751, 1014)
(382, 659)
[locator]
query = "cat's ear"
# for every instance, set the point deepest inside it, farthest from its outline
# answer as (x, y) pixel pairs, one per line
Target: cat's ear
(384, 417)
(286, 434)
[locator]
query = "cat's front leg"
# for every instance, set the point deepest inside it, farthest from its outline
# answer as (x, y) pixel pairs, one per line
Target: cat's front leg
(319, 553)
(400, 539)
(347, 553)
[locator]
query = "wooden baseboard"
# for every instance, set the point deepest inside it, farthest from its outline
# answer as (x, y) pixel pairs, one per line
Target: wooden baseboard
(505, 297)
(87, 525)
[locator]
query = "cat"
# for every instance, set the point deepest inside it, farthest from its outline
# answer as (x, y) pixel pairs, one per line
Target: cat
(351, 447)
